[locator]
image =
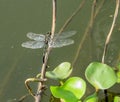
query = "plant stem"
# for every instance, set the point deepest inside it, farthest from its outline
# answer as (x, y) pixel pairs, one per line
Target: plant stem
(71, 17)
(41, 86)
(111, 30)
(87, 32)
(108, 40)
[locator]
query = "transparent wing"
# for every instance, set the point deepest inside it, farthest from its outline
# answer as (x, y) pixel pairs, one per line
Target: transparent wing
(64, 35)
(37, 37)
(33, 44)
(62, 42)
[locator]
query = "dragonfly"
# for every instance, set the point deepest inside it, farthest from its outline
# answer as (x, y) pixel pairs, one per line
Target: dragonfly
(39, 40)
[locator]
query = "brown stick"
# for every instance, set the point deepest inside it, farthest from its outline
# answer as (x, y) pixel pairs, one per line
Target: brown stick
(108, 40)
(111, 30)
(72, 16)
(41, 86)
(87, 31)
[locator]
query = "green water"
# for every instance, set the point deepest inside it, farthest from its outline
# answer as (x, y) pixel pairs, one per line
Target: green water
(18, 17)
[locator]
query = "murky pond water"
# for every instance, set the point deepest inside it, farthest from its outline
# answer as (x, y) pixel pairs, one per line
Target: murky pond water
(17, 18)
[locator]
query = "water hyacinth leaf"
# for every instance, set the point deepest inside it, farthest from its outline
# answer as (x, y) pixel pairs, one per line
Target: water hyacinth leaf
(92, 98)
(61, 72)
(116, 99)
(74, 87)
(100, 75)
(65, 95)
(118, 66)
(118, 77)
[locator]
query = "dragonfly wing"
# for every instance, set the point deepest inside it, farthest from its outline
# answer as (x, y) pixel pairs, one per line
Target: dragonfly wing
(37, 37)
(33, 44)
(62, 42)
(64, 35)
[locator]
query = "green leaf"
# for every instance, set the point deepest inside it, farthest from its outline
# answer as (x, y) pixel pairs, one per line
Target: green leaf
(100, 75)
(118, 66)
(92, 98)
(60, 72)
(61, 93)
(118, 77)
(116, 99)
(71, 91)
(76, 85)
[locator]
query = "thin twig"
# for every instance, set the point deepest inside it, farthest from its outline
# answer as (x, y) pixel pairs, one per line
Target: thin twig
(108, 40)
(111, 30)
(44, 66)
(87, 31)
(23, 98)
(53, 19)
(71, 17)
